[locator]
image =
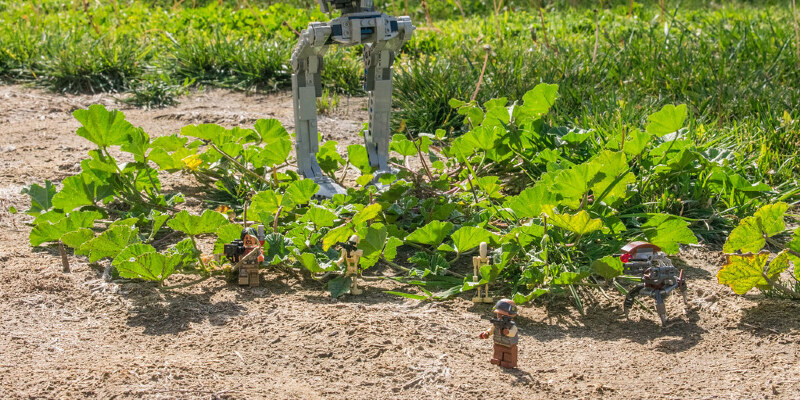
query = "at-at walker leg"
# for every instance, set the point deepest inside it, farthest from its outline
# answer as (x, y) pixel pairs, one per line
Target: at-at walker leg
(307, 67)
(378, 62)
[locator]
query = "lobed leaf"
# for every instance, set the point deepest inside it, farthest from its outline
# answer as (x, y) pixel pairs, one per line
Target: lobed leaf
(744, 272)
(431, 234)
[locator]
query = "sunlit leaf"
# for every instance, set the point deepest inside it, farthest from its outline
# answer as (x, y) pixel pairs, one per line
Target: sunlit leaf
(744, 272)
(431, 234)
(194, 225)
(668, 232)
(668, 120)
(580, 223)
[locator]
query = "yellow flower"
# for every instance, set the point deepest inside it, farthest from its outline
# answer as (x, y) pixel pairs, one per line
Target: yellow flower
(192, 162)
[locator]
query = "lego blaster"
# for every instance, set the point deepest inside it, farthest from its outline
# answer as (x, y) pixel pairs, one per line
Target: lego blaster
(347, 246)
(504, 322)
(234, 250)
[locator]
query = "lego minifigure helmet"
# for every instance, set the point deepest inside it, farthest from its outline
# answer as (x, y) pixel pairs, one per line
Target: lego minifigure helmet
(249, 231)
(354, 239)
(507, 306)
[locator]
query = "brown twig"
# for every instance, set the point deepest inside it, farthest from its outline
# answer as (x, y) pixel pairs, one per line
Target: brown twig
(488, 50)
(64, 260)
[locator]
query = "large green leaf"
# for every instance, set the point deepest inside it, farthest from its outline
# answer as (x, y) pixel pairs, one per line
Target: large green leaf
(194, 225)
(111, 242)
(299, 193)
(320, 216)
(49, 231)
(210, 132)
(75, 239)
(572, 184)
(580, 223)
(431, 234)
(357, 155)
(749, 235)
(372, 243)
(608, 267)
(140, 261)
(41, 197)
(532, 202)
(469, 237)
(137, 143)
(614, 177)
(337, 235)
(102, 127)
(668, 120)
(367, 213)
(744, 272)
(390, 250)
(668, 232)
(339, 286)
(226, 234)
(537, 101)
(77, 191)
(264, 204)
(402, 145)
(329, 158)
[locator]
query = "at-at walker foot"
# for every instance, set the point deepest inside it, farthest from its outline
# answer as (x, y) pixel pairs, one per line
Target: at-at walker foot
(382, 36)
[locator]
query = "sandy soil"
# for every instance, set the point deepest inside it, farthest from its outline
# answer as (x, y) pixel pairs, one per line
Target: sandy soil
(77, 336)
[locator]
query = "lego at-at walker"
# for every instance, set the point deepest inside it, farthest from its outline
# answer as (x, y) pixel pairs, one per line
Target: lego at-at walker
(382, 36)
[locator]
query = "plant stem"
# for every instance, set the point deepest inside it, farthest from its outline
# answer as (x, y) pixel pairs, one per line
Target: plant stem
(240, 166)
(64, 260)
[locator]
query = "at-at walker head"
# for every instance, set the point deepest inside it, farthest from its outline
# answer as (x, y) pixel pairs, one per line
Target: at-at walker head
(347, 6)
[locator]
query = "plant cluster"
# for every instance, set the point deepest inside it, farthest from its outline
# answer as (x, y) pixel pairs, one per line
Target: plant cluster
(554, 202)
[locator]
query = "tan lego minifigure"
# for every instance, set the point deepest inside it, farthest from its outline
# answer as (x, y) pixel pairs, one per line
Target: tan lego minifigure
(251, 259)
(504, 334)
(351, 256)
(477, 262)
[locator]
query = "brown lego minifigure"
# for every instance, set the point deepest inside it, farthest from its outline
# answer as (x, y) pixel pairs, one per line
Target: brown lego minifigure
(477, 262)
(504, 333)
(351, 256)
(252, 257)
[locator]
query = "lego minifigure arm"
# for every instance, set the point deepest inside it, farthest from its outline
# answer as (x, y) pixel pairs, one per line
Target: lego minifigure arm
(489, 332)
(511, 332)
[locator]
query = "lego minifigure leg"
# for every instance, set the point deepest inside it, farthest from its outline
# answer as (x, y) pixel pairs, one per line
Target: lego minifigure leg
(243, 277)
(497, 357)
(253, 277)
(509, 359)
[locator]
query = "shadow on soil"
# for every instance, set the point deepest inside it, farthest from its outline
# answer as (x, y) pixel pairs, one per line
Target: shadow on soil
(772, 316)
(608, 323)
(167, 313)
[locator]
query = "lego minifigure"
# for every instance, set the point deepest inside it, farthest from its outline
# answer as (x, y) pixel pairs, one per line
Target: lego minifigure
(504, 334)
(382, 36)
(248, 255)
(351, 254)
(659, 276)
(477, 262)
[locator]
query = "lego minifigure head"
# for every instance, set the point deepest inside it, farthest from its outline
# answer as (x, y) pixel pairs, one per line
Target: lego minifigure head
(354, 239)
(249, 238)
(505, 307)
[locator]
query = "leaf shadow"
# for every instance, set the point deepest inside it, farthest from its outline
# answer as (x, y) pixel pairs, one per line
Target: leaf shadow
(166, 313)
(772, 316)
(608, 323)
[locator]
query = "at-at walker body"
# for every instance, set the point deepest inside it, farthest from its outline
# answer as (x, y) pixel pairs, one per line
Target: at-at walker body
(382, 36)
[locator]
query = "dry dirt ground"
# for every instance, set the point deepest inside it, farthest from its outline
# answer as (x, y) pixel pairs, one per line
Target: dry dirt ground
(77, 336)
